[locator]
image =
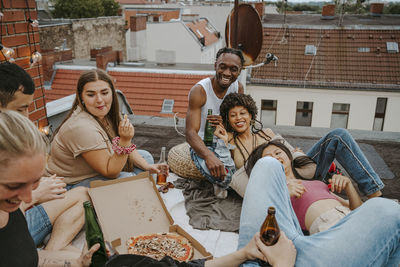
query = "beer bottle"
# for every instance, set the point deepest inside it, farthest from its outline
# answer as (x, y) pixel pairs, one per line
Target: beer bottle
(208, 131)
(269, 232)
(94, 235)
(162, 175)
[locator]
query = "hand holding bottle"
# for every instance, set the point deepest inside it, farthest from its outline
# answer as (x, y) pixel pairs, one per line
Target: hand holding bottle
(86, 257)
(282, 254)
(214, 120)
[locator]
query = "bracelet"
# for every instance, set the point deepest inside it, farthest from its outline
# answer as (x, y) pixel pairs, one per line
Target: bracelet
(121, 150)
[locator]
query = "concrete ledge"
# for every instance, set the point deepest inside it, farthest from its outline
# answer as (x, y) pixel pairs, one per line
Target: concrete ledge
(296, 131)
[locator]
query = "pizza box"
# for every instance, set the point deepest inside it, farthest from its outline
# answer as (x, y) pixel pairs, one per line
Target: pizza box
(132, 206)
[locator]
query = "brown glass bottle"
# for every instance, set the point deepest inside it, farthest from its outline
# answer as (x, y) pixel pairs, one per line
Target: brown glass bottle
(269, 232)
(162, 175)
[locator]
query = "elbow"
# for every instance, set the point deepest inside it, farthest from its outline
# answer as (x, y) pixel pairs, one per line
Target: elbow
(188, 135)
(110, 174)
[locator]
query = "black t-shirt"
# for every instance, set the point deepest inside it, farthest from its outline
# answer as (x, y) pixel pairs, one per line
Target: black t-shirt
(17, 248)
(128, 260)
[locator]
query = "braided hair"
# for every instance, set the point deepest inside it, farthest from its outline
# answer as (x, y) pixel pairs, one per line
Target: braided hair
(241, 100)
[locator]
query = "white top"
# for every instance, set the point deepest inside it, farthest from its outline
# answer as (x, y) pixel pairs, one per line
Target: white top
(212, 101)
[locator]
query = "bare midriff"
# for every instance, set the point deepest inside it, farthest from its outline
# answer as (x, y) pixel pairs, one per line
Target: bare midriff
(319, 207)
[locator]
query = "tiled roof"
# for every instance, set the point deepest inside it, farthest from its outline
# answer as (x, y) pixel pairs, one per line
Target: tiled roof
(338, 62)
(145, 91)
(64, 84)
(138, 2)
(202, 28)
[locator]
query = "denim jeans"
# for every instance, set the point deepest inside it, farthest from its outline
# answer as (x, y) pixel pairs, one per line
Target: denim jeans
(340, 145)
(39, 224)
(86, 183)
(368, 236)
(222, 152)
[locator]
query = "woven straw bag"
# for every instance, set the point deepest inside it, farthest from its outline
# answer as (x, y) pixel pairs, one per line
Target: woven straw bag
(181, 163)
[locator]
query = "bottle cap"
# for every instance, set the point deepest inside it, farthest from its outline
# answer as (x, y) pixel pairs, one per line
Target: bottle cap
(271, 210)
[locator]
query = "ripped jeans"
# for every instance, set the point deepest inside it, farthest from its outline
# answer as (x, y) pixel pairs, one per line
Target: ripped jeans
(339, 144)
(222, 151)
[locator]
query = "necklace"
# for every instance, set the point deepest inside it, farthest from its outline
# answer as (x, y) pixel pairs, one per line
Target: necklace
(253, 143)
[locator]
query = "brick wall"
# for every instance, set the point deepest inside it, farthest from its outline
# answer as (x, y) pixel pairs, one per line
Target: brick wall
(14, 29)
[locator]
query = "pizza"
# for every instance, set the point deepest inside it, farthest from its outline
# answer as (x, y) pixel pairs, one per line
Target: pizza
(159, 245)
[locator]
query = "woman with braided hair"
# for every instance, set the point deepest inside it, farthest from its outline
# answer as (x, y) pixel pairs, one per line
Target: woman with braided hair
(241, 129)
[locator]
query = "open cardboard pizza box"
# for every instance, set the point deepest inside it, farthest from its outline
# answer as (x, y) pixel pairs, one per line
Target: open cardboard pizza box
(132, 206)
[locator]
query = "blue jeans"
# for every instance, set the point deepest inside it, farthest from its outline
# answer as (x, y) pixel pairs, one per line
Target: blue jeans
(368, 236)
(222, 152)
(39, 224)
(340, 145)
(86, 183)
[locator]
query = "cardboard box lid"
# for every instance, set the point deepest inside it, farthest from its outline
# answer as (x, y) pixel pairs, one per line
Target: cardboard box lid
(128, 207)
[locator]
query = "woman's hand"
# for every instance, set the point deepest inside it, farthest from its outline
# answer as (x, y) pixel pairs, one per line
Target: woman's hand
(221, 133)
(251, 249)
(296, 188)
(125, 131)
(86, 257)
(156, 168)
(49, 188)
(339, 183)
(282, 254)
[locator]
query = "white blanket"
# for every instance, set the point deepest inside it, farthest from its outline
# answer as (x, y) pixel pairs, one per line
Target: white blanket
(216, 242)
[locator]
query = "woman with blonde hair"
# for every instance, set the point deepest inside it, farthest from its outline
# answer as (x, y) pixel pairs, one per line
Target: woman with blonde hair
(94, 142)
(22, 161)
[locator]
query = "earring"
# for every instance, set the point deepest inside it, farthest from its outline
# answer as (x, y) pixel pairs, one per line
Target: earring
(83, 102)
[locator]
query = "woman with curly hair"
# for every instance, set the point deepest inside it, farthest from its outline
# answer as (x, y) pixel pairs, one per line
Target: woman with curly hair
(239, 111)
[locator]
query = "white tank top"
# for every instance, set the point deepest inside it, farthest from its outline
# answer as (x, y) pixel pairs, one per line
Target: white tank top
(212, 101)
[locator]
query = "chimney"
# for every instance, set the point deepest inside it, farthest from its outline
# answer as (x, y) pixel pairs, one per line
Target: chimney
(136, 42)
(328, 12)
(376, 9)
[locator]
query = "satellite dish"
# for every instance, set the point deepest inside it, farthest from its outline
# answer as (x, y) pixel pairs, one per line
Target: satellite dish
(244, 31)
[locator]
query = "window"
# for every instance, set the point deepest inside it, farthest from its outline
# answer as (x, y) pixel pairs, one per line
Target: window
(363, 49)
(392, 47)
(167, 106)
(304, 113)
(340, 115)
(268, 112)
(380, 113)
(310, 50)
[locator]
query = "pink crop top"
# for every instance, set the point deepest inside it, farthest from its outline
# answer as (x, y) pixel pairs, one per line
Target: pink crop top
(316, 190)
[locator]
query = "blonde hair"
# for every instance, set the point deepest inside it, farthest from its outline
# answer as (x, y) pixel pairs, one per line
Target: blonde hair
(18, 137)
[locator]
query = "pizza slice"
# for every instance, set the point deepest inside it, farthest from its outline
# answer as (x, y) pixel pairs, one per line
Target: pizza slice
(159, 245)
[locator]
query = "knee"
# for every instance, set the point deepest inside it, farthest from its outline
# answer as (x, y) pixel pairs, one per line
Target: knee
(269, 163)
(266, 167)
(80, 193)
(340, 132)
(386, 209)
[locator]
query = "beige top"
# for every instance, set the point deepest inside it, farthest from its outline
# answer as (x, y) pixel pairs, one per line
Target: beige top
(258, 140)
(306, 171)
(79, 134)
